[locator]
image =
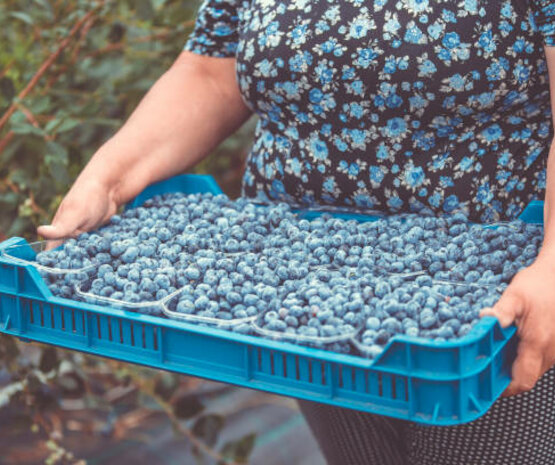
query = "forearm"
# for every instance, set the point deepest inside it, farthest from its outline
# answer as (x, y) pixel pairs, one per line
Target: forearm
(193, 107)
(548, 248)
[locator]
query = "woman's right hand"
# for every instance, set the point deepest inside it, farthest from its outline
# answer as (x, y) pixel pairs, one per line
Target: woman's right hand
(88, 205)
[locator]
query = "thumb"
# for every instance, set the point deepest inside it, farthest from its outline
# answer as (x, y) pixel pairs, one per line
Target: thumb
(507, 309)
(55, 231)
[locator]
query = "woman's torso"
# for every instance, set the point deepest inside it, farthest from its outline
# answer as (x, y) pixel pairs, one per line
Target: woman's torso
(396, 104)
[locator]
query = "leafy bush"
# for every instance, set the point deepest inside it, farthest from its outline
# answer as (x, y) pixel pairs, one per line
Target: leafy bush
(71, 71)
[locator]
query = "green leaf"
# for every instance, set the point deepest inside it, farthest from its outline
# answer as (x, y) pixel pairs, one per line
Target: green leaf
(239, 450)
(51, 125)
(26, 129)
(9, 199)
(18, 118)
(187, 406)
(22, 17)
(67, 125)
(21, 178)
(40, 104)
(59, 173)
(56, 154)
(208, 428)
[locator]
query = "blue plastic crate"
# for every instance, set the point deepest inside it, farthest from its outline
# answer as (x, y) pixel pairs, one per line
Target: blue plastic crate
(435, 383)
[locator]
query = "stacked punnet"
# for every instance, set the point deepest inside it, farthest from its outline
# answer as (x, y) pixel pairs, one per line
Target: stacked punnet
(344, 285)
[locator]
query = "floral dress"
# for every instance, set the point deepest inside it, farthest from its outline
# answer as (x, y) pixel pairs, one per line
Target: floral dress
(393, 105)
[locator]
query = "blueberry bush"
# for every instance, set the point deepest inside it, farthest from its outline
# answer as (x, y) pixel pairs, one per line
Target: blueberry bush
(70, 73)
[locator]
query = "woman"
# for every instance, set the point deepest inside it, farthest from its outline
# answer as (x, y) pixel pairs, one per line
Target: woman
(386, 104)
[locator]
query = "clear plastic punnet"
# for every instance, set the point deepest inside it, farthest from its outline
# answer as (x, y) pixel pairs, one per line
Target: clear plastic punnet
(60, 263)
(323, 311)
(340, 338)
(184, 306)
(220, 289)
(59, 256)
(425, 308)
(143, 290)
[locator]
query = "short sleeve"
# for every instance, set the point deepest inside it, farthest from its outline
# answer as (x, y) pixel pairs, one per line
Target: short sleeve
(216, 29)
(544, 18)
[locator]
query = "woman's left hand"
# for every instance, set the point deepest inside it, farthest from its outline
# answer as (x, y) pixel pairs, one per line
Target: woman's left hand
(529, 302)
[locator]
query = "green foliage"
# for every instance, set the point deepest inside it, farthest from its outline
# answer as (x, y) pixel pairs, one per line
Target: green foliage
(94, 60)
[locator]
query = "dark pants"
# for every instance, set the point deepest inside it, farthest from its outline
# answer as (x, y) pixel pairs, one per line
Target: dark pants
(518, 430)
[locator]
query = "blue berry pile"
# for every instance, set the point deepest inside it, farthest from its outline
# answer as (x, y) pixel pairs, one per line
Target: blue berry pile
(339, 284)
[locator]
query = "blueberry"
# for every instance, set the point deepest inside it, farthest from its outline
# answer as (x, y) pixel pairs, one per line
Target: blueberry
(185, 306)
(392, 325)
(428, 318)
(412, 331)
(192, 273)
(446, 332)
(373, 323)
(445, 312)
(382, 289)
(130, 254)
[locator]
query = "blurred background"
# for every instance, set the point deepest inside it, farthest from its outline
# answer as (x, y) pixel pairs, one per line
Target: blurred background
(71, 71)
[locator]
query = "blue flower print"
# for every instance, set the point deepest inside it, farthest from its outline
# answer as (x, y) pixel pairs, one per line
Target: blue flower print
(451, 40)
(451, 203)
(414, 176)
(319, 149)
(395, 128)
(492, 133)
(360, 27)
(376, 175)
(391, 104)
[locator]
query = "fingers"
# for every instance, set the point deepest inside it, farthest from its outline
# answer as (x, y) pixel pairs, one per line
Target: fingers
(527, 368)
(507, 309)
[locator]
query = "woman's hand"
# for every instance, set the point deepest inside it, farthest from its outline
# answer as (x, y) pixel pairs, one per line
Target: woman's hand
(88, 205)
(529, 302)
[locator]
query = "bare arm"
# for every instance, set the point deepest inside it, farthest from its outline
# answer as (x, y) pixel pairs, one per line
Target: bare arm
(549, 210)
(193, 107)
(529, 301)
